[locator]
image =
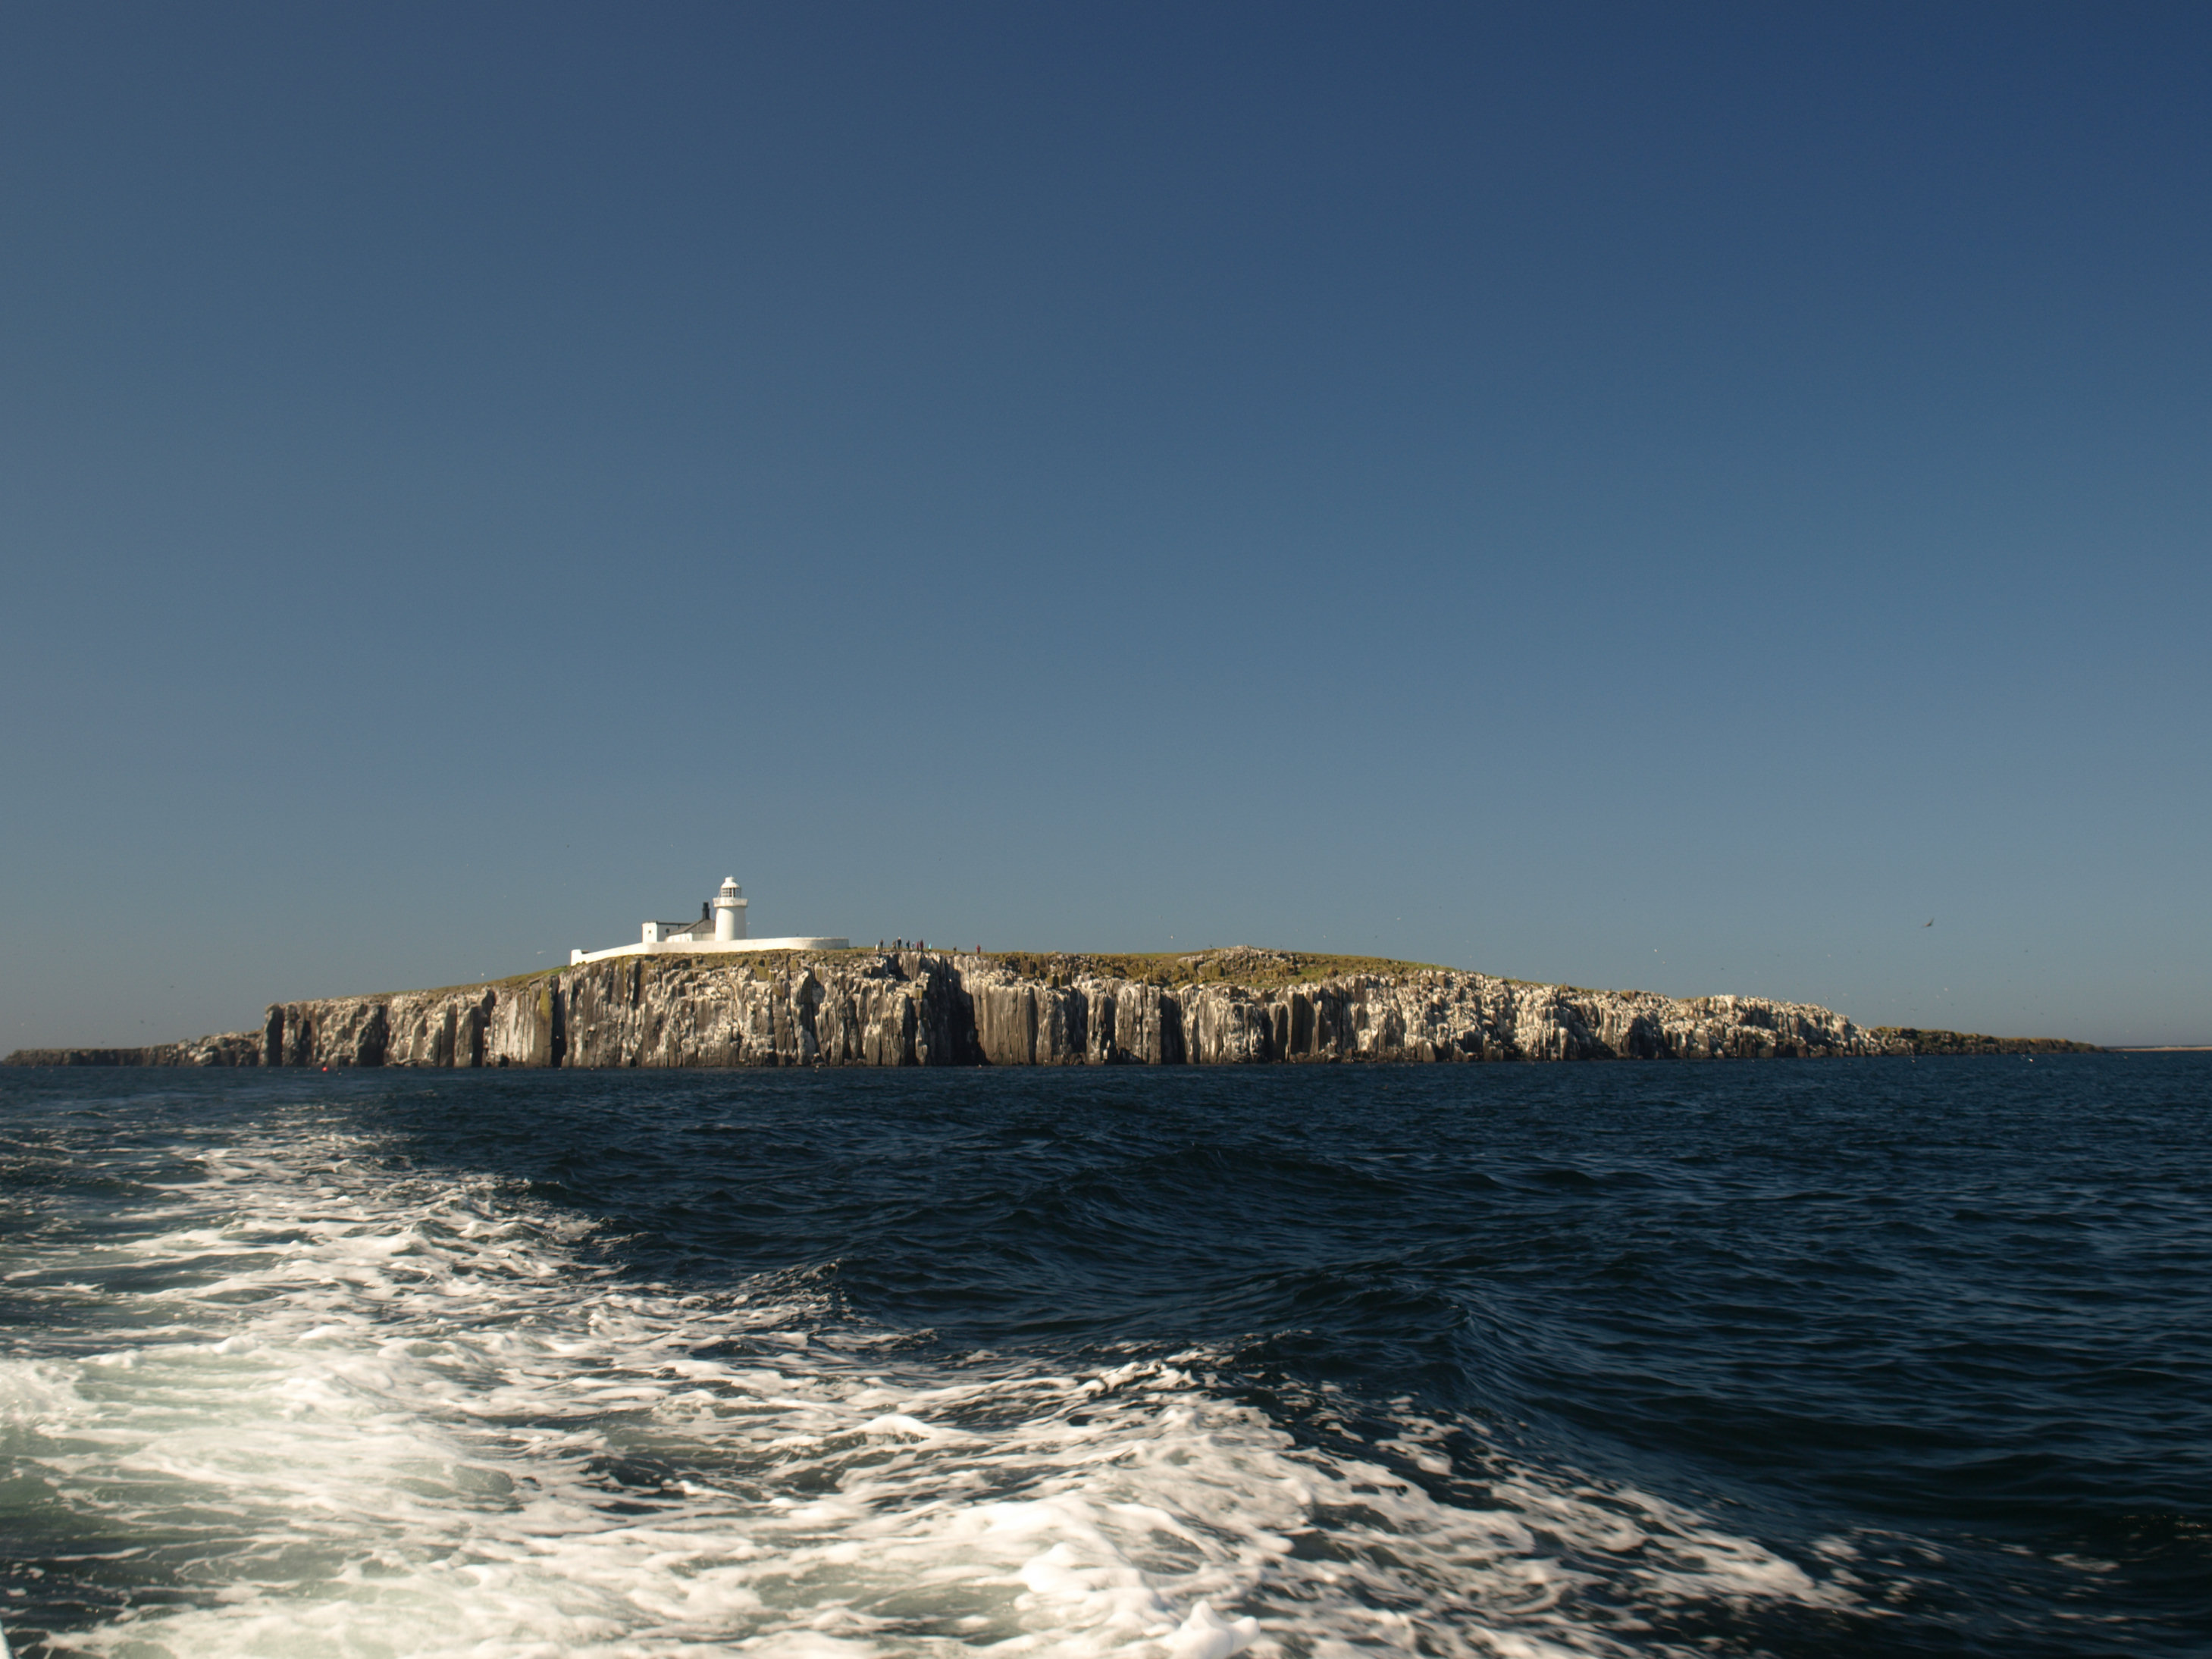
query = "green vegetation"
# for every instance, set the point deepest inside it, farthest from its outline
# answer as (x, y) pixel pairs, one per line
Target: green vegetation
(517, 981)
(1240, 965)
(1973, 1042)
(1236, 964)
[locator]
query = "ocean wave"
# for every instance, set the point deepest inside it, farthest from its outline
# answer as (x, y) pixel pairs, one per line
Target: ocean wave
(317, 1406)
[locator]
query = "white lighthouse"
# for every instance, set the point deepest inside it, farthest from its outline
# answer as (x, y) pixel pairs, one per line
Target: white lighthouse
(720, 927)
(729, 911)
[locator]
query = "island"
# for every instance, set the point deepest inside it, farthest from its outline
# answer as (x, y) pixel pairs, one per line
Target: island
(780, 1004)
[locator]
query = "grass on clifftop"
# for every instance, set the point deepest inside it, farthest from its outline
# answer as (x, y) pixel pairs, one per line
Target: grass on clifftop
(1241, 964)
(1974, 1042)
(528, 977)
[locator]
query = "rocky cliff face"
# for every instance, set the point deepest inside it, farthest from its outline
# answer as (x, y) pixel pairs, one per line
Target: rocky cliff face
(913, 1008)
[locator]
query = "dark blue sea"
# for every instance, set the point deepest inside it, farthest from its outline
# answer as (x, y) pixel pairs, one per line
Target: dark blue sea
(1800, 1359)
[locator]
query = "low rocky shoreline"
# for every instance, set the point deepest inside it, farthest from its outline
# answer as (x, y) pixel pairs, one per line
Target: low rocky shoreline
(1241, 1007)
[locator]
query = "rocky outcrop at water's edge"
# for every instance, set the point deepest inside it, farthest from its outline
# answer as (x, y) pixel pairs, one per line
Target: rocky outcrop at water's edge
(927, 1008)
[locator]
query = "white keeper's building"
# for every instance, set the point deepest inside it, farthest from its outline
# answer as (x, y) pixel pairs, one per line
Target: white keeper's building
(720, 927)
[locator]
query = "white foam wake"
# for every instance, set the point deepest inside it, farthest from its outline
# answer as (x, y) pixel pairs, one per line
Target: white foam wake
(356, 1416)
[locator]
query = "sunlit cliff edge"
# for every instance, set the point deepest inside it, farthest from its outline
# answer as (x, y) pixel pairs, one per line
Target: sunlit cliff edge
(1238, 1006)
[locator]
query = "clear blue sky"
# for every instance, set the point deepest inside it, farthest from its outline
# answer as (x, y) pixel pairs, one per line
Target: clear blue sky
(1650, 495)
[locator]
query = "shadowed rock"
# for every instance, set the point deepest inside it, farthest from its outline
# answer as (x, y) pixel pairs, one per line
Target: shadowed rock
(1241, 1006)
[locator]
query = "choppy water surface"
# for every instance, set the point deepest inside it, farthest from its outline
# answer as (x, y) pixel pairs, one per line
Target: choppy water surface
(1849, 1357)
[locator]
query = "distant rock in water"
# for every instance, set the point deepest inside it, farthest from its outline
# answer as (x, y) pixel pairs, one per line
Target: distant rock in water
(1239, 1007)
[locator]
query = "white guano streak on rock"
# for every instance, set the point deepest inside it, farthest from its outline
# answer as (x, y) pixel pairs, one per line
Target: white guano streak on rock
(912, 1008)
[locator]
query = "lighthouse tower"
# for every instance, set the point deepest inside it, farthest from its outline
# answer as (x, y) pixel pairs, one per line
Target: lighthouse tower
(730, 911)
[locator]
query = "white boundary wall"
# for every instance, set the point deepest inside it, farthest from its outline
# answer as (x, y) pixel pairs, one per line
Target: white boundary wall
(707, 947)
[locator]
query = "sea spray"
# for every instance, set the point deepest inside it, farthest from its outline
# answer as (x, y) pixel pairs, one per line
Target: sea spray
(497, 1367)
